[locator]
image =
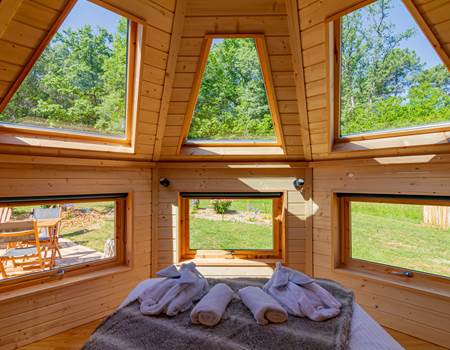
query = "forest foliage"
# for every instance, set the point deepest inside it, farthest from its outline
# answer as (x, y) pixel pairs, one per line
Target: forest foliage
(79, 83)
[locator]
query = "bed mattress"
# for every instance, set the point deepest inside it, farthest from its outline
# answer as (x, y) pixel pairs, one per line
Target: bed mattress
(365, 332)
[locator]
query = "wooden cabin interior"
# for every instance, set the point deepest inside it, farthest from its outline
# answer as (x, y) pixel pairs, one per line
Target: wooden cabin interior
(236, 134)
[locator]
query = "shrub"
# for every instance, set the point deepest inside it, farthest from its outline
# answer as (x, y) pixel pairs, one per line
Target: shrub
(221, 206)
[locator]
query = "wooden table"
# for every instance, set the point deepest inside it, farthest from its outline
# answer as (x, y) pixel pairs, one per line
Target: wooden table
(52, 227)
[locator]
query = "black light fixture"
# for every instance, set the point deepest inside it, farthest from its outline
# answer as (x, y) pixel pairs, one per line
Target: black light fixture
(298, 184)
(164, 182)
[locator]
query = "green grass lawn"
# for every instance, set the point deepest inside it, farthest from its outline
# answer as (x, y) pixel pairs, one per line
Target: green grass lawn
(209, 234)
(394, 235)
(263, 205)
(94, 236)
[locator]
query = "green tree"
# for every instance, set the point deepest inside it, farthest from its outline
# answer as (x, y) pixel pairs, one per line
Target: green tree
(385, 85)
(232, 102)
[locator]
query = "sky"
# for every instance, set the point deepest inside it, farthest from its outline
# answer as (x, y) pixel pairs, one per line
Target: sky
(403, 20)
(85, 12)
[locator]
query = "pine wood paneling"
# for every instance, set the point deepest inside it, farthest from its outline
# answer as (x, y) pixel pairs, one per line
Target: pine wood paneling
(41, 314)
(312, 17)
(224, 179)
(204, 17)
(411, 311)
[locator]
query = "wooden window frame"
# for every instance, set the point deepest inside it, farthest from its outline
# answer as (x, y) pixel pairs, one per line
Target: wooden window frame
(122, 218)
(333, 28)
(134, 36)
(393, 273)
(261, 48)
(185, 253)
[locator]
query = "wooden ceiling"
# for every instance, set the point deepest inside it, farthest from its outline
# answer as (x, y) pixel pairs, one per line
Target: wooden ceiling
(174, 29)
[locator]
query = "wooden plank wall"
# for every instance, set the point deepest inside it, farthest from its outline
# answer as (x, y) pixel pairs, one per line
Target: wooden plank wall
(252, 16)
(31, 23)
(31, 317)
(312, 15)
(204, 178)
(416, 313)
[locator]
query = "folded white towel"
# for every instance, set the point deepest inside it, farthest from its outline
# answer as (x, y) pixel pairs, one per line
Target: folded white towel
(154, 294)
(183, 291)
(264, 308)
(139, 289)
(210, 309)
(300, 295)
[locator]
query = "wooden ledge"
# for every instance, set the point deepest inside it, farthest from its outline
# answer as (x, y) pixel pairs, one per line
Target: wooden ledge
(235, 151)
(434, 289)
(397, 142)
(47, 287)
(23, 140)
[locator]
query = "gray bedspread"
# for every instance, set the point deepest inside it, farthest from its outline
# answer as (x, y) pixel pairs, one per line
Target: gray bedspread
(127, 328)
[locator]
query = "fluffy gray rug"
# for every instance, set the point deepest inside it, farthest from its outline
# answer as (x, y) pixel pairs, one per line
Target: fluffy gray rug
(127, 328)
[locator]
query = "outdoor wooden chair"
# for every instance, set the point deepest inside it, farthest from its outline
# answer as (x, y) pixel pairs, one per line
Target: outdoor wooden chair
(5, 214)
(48, 236)
(25, 236)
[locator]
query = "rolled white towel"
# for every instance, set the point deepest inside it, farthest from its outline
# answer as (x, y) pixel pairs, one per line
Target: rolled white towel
(264, 308)
(210, 309)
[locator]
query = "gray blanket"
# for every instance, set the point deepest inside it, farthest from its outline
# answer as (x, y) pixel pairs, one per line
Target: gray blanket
(127, 328)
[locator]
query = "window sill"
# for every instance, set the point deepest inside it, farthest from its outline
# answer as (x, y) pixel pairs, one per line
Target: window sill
(23, 140)
(246, 151)
(403, 142)
(60, 283)
(430, 288)
(232, 262)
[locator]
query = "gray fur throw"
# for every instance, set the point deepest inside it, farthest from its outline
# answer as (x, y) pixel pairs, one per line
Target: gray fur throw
(128, 329)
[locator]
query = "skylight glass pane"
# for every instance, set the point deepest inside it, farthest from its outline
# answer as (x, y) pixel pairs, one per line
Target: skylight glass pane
(79, 81)
(232, 102)
(391, 76)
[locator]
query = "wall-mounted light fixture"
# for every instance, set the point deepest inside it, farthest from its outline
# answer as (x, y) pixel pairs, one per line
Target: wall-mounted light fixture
(298, 184)
(164, 182)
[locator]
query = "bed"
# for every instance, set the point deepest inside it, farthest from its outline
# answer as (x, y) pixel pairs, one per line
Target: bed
(127, 328)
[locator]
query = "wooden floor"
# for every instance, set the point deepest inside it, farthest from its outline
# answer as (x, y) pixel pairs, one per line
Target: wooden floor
(75, 338)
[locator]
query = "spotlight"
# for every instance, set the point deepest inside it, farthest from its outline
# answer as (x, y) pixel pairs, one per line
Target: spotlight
(298, 184)
(164, 182)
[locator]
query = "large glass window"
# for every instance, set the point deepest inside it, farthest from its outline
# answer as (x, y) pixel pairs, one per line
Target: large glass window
(230, 225)
(399, 236)
(231, 101)
(40, 237)
(390, 77)
(79, 82)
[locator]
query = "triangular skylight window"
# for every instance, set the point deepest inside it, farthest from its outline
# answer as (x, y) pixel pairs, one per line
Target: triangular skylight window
(391, 77)
(231, 104)
(79, 82)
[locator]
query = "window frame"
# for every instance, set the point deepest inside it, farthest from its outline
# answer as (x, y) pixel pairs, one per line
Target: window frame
(266, 71)
(395, 273)
(121, 222)
(278, 213)
(333, 28)
(132, 41)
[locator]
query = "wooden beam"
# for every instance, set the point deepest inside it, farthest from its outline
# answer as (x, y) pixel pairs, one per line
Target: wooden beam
(177, 31)
(426, 28)
(297, 61)
(8, 9)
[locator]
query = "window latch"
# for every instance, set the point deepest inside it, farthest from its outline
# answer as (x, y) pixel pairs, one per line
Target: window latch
(402, 273)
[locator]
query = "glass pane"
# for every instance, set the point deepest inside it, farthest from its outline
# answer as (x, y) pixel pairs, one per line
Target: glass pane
(69, 234)
(79, 81)
(415, 237)
(391, 76)
(232, 102)
(237, 224)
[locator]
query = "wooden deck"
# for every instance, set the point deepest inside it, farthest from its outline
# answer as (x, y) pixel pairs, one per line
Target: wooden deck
(75, 338)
